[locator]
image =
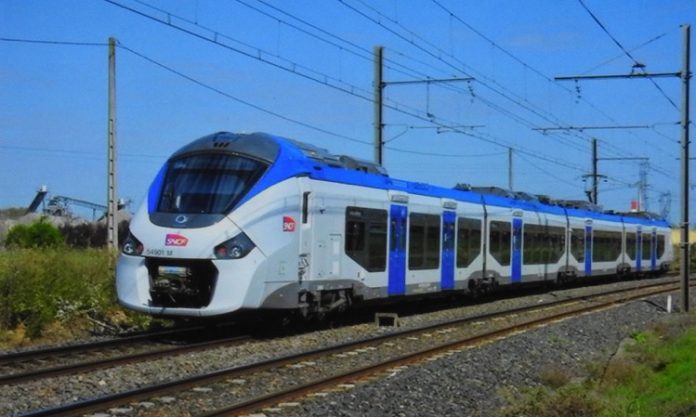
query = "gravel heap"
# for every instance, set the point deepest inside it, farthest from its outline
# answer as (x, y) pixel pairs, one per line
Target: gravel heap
(467, 383)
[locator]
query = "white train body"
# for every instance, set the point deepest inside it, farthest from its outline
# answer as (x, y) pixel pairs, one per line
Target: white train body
(248, 222)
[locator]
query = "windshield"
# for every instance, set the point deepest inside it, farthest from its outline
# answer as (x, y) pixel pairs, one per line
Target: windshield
(209, 183)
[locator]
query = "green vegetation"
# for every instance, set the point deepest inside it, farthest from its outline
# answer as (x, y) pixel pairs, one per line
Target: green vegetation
(677, 257)
(37, 235)
(52, 291)
(655, 377)
(44, 291)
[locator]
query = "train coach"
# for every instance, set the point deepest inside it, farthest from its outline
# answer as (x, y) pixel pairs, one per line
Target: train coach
(258, 222)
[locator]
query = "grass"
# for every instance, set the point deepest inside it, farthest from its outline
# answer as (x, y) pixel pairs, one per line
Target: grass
(660, 379)
(58, 293)
(656, 377)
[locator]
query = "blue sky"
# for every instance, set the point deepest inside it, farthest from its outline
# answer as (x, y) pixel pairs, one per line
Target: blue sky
(310, 62)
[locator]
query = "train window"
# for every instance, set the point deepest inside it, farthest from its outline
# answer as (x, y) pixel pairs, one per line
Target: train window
(557, 243)
(606, 246)
(424, 241)
(577, 244)
(366, 237)
(468, 241)
(499, 238)
(543, 244)
(647, 245)
(660, 246)
(533, 244)
(207, 183)
(631, 245)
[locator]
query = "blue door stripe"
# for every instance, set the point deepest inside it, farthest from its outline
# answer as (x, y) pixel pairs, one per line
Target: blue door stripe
(516, 250)
(397, 250)
(447, 271)
(588, 251)
(639, 250)
(653, 251)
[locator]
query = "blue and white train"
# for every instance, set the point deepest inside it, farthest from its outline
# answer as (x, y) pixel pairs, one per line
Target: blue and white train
(254, 221)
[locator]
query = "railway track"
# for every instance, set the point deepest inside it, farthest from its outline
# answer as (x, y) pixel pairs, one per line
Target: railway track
(50, 362)
(263, 384)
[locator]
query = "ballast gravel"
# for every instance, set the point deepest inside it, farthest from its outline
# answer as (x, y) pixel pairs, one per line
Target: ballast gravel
(473, 382)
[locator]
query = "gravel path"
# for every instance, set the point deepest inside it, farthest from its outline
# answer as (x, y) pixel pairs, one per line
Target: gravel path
(466, 383)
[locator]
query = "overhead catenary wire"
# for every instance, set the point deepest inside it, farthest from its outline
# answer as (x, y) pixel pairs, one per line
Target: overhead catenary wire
(239, 100)
(625, 51)
(214, 36)
(538, 72)
(488, 139)
(278, 66)
(304, 124)
(460, 67)
(52, 42)
(395, 107)
(326, 131)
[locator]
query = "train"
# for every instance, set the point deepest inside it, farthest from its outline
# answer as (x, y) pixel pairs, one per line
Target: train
(257, 222)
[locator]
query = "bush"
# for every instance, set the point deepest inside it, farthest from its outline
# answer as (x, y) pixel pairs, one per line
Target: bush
(568, 401)
(40, 286)
(40, 234)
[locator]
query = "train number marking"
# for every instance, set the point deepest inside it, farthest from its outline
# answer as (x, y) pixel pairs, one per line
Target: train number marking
(159, 252)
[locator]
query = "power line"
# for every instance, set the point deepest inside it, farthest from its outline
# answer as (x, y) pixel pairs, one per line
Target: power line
(557, 178)
(362, 55)
(239, 100)
(290, 67)
(77, 153)
(488, 139)
(493, 43)
(636, 64)
(610, 60)
(275, 114)
(526, 65)
(214, 40)
(295, 121)
(259, 55)
(53, 42)
(334, 40)
(519, 101)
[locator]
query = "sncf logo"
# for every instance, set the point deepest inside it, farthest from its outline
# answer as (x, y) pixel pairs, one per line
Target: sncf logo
(175, 240)
(288, 224)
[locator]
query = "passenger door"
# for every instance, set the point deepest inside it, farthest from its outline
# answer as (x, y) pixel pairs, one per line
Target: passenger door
(639, 250)
(447, 271)
(516, 270)
(588, 249)
(397, 250)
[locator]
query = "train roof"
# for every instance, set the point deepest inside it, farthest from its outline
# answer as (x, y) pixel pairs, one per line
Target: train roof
(290, 158)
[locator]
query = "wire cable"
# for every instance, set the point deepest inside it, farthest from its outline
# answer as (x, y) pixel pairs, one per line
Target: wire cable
(625, 51)
(239, 100)
(53, 42)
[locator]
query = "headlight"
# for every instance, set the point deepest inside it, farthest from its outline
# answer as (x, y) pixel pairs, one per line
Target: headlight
(132, 246)
(235, 248)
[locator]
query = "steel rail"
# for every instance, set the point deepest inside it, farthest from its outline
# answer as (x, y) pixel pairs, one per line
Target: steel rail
(118, 360)
(101, 403)
(302, 390)
(27, 355)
